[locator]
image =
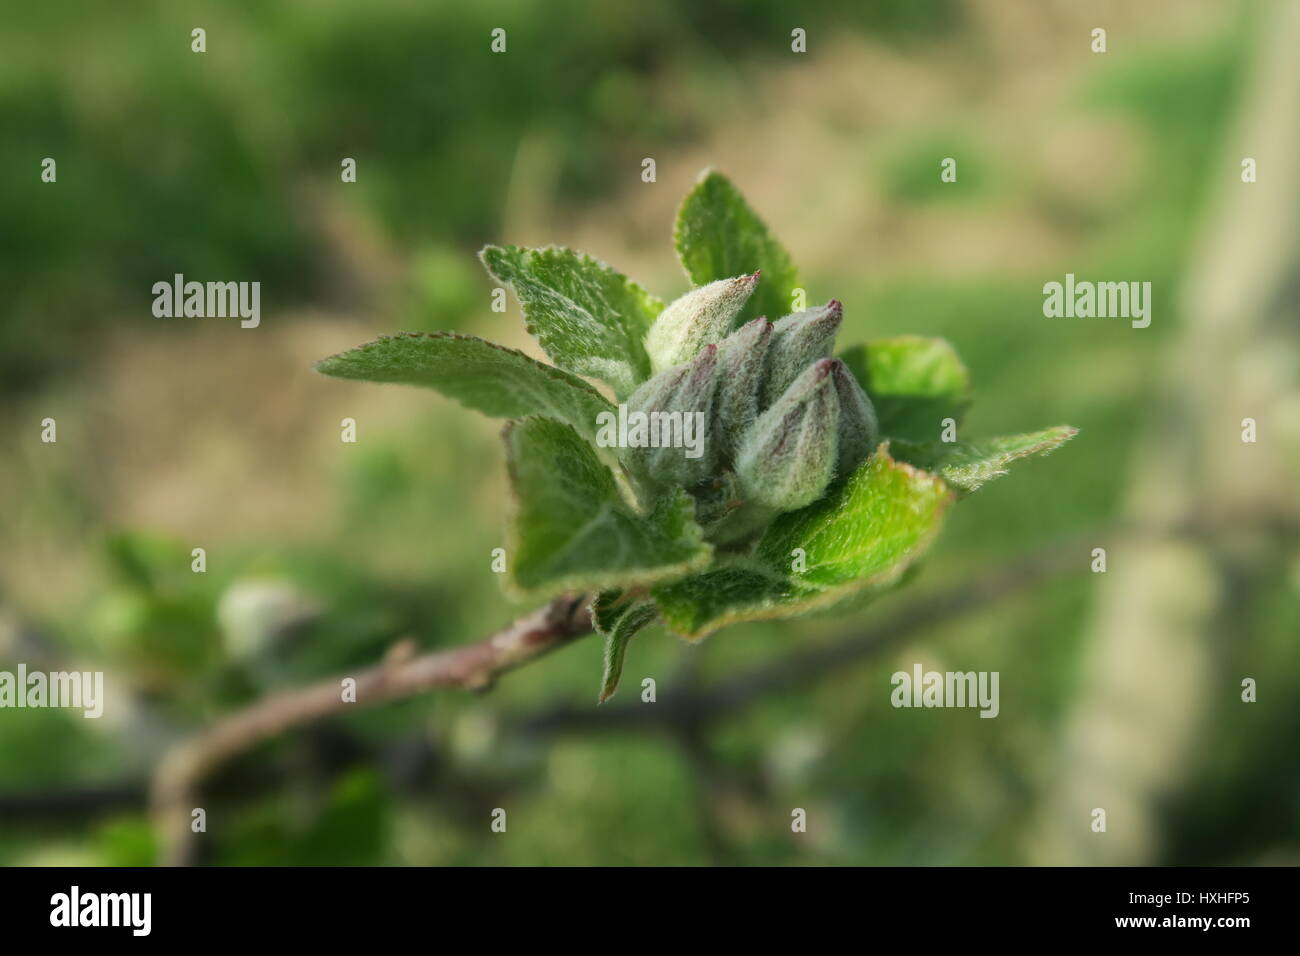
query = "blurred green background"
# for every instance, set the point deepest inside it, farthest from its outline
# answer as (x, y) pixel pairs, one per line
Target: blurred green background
(176, 434)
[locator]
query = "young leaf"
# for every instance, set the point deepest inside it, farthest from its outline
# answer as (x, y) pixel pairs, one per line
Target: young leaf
(914, 384)
(627, 620)
(572, 530)
(731, 591)
(968, 466)
(719, 236)
(863, 535)
(607, 607)
(872, 526)
(484, 376)
(590, 318)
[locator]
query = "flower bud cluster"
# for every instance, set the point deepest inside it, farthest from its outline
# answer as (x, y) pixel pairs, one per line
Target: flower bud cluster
(782, 415)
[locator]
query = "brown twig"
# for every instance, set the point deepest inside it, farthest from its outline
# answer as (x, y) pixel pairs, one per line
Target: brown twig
(402, 674)
(474, 666)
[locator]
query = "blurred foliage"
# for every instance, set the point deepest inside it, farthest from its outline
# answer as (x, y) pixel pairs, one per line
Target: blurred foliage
(909, 175)
(217, 172)
(166, 168)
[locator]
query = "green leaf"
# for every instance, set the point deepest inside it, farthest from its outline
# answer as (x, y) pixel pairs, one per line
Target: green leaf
(969, 465)
(484, 376)
(606, 608)
(863, 535)
(589, 318)
(914, 384)
(718, 236)
(571, 528)
(621, 622)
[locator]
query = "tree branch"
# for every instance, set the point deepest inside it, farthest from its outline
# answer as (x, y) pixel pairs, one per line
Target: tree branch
(183, 770)
(693, 706)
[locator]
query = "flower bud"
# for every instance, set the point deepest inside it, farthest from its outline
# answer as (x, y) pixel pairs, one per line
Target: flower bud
(797, 341)
(742, 358)
(789, 454)
(668, 418)
(700, 317)
(859, 429)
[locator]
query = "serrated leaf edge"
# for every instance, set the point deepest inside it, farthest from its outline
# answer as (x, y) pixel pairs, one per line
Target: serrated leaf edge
(705, 174)
(587, 581)
(830, 596)
(653, 302)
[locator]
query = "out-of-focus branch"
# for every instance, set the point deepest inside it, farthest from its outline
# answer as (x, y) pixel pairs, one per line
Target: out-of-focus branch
(183, 770)
(73, 804)
(180, 776)
(692, 706)
(687, 708)
(1128, 741)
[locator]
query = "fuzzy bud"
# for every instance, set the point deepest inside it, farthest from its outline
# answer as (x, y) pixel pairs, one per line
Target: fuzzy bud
(669, 438)
(789, 454)
(702, 316)
(859, 429)
(742, 359)
(798, 340)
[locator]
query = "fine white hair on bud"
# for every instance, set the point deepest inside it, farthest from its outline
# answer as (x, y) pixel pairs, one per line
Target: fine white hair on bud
(742, 358)
(859, 429)
(675, 408)
(798, 340)
(701, 317)
(789, 455)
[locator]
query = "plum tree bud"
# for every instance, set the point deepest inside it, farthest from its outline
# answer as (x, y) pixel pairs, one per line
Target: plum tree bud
(700, 317)
(797, 341)
(859, 429)
(742, 359)
(788, 456)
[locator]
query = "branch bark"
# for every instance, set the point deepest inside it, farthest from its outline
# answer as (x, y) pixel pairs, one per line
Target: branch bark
(182, 773)
(401, 674)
